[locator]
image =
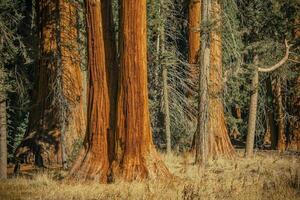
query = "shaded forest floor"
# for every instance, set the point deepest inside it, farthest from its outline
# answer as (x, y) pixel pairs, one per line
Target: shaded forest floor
(266, 176)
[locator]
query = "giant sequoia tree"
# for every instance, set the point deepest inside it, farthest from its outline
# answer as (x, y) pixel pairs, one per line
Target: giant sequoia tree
(220, 142)
(211, 137)
(194, 19)
(56, 118)
(94, 161)
(135, 154)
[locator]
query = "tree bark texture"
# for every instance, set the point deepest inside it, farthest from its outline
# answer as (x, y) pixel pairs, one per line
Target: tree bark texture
(194, 22)
(3, 138)
(220, 144)
(57, 117)
(167, 118)
(135, 154)
(252, 111)
(93, 162)
(281, 142)
(202, 134)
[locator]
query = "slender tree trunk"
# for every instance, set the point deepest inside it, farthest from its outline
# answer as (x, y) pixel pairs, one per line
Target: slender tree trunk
(93, 162)
(3, 138)
(136, 157)
(57, 117)
(166, 108)
(281, 143)
(220, 144)
(167, 120)
(202, 137)
(252, 111)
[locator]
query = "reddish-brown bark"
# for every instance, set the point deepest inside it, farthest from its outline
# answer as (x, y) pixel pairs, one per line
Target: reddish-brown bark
(194, 18)
(135, 154)
(93, 162)
(220, 142)
(57, 72)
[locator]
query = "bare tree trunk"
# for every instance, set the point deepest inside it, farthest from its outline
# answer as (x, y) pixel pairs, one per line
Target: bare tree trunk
(136, 157)
(281, 143)
(93, 162)
(166, 109)
(57, 118)
(252, 111)
(219, 142)
(202, 137)
(166, 92)
(3, 138)
(194, 21)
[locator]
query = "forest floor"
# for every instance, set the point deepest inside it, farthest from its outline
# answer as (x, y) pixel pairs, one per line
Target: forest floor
(269, 175)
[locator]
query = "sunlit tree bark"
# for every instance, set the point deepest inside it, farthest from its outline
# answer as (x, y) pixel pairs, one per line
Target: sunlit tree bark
(220, 144)
(202, 135)
(94, 161)
(194, 19)
(135, 154)
(56, 118)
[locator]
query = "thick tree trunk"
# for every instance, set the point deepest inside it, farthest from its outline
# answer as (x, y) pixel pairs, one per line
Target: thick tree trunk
(136, 157)
(220, 144)
(252, 111)
(202, 134)
(3, 138)
(194, 21)
(57, 118)
(93, 162)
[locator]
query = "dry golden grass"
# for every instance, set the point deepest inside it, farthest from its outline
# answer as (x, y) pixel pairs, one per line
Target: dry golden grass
(266, 176)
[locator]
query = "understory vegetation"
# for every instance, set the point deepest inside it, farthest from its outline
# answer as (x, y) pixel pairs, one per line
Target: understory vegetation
(268, 175)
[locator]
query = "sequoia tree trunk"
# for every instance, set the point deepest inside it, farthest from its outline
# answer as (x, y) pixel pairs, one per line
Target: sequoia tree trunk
(56, 118)
(135, 155)
(3, 138)
(94, 160)
(220, 144)
(194, 20)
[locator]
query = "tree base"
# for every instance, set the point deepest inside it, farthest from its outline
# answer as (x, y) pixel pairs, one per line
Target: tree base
(146, 166)
(90, 166)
